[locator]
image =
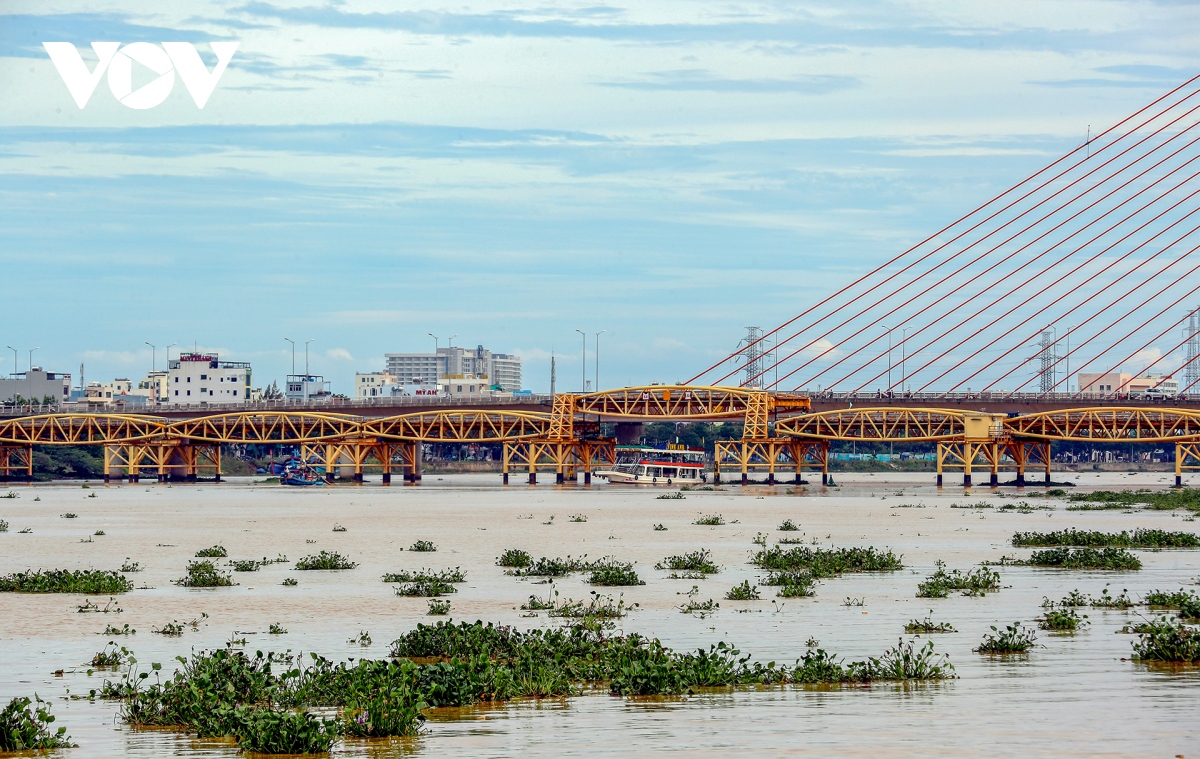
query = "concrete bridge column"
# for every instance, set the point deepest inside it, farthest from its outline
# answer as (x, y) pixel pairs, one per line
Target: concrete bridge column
(629, 433)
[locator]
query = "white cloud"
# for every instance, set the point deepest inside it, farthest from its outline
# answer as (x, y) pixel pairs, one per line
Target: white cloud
(339, 354)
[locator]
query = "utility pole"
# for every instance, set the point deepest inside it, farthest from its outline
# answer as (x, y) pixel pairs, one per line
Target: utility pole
(596, 386)
(753, 355)
(583, 366)
(1046, 374)
(1191, 372)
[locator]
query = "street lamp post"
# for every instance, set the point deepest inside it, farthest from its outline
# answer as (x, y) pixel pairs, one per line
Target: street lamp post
(435, 342)
(16, 366)
(293, 342)
(169, 347)
(153, 357)
(583, 366)
(450, 341)
(597, 359)
(306, 342)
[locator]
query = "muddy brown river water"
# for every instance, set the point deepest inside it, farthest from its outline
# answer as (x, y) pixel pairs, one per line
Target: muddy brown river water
(1076, 695)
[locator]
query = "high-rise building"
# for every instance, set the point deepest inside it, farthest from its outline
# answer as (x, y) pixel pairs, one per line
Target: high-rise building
(500, 369)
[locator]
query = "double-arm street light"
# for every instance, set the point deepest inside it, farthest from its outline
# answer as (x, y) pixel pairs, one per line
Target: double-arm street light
(293, 342)
(596, 387)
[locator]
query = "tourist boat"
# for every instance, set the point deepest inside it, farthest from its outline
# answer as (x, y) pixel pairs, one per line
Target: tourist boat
(673, 466)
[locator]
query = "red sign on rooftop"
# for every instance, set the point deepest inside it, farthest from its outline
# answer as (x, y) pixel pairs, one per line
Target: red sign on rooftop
(196, 357)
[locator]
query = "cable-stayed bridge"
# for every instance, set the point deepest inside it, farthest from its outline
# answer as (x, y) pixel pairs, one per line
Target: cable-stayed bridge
(1063, 309)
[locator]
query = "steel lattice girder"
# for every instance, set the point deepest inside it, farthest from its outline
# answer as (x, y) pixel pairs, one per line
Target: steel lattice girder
(1116, 424)
(907, 424)
(265, 427)
(681, 402)
(459, 426)
(78, 429)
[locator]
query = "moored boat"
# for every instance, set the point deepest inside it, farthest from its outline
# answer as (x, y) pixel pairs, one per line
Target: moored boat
(673, 466)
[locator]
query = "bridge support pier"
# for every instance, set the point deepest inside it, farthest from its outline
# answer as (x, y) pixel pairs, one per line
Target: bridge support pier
(14, 459)
(769, 453)
(1187, 459)
(568, 456)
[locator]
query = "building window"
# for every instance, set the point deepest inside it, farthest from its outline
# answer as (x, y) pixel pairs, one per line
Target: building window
(189, 392)
(203, 376)
(234, 393)
(176, 392)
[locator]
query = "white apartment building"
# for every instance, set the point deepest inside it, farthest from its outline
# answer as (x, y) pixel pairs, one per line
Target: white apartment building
(204, 378)
(499, 369)
(373, 384)
(307, 388)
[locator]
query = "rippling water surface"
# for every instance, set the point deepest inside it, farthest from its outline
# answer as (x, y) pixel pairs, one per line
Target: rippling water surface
(1073, 695)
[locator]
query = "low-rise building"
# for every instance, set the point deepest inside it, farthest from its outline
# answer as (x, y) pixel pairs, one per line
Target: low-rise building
(307, 388)
(1126, 383)
(204, 378)
(35, 386)
(373, 384)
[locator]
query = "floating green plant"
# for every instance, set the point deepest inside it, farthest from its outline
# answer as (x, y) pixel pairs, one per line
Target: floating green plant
(1140, 538)
(577, 518)
(276, 629)
(700, 608)
(112, 656)
(514, 558)
(69, 515)
(99, 532)
(827, 562)
(1013, 639)
(325, 560)
(438, 607)
(3, 526)
(1168, 641)
(711, 520)
(556, 567)
(131, 566)
(245, 565)
(92, 582)
(216, 552)
(788, 526)
(423, 546)
(973, 583)
(23, 728)
(1085, 558)
(338, 528)
(87, 607)
(204, 574)
(676, 496)
(172, 629)
(743, 592)
(362, 639)
(290, 582)
(927, 626)
(427, 575)
(660, 527)
(1177, 498)
(610, 572)
(598, 607)
(1062, 620)
(425, 588)
(1161, 599)
(123, 630)
(696, 561)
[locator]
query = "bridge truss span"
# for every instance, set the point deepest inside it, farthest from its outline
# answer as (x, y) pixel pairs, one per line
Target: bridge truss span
(1146, 425)
(469, 426)
(911, 425)
(264, 427)
(79, 429)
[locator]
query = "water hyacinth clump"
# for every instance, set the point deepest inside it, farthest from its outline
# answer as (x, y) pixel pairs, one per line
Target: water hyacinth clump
(711, 520)
(743, 592)
(1176, 498)
(216, 552)
(92, 582)
(112, 656)
(927, 626)
(696, 561)
(1062, 620)
(423, 546)
(204, 574)
(25, 726)
(699, 608)
(1085, 558)
(427, 575)
(556, 567)
(613, 573)
(438, 607)
(245, 565)
(427, 587)
(1161, 599)
(788, 526)
(1013, 639)
(827, 562)
(514, 558)
(325, 560)
(974, 583)
(1140, 538)
(1168, 641)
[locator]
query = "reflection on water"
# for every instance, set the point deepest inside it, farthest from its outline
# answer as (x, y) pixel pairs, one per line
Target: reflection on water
(1073, 694)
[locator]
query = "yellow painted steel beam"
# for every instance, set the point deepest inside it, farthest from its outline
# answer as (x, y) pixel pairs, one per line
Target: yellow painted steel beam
(684, 402)
(468, 426)
(896, 424)
(1131, 424)
(265, 427)
(79, 429)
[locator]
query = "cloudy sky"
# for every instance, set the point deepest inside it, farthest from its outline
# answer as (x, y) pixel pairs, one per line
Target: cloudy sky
(670, 172)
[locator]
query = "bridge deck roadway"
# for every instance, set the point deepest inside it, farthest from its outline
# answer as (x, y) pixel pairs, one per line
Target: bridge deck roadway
(998, 404)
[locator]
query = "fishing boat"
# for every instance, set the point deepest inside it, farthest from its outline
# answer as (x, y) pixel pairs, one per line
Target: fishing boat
(673, 466)
(301, 477)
